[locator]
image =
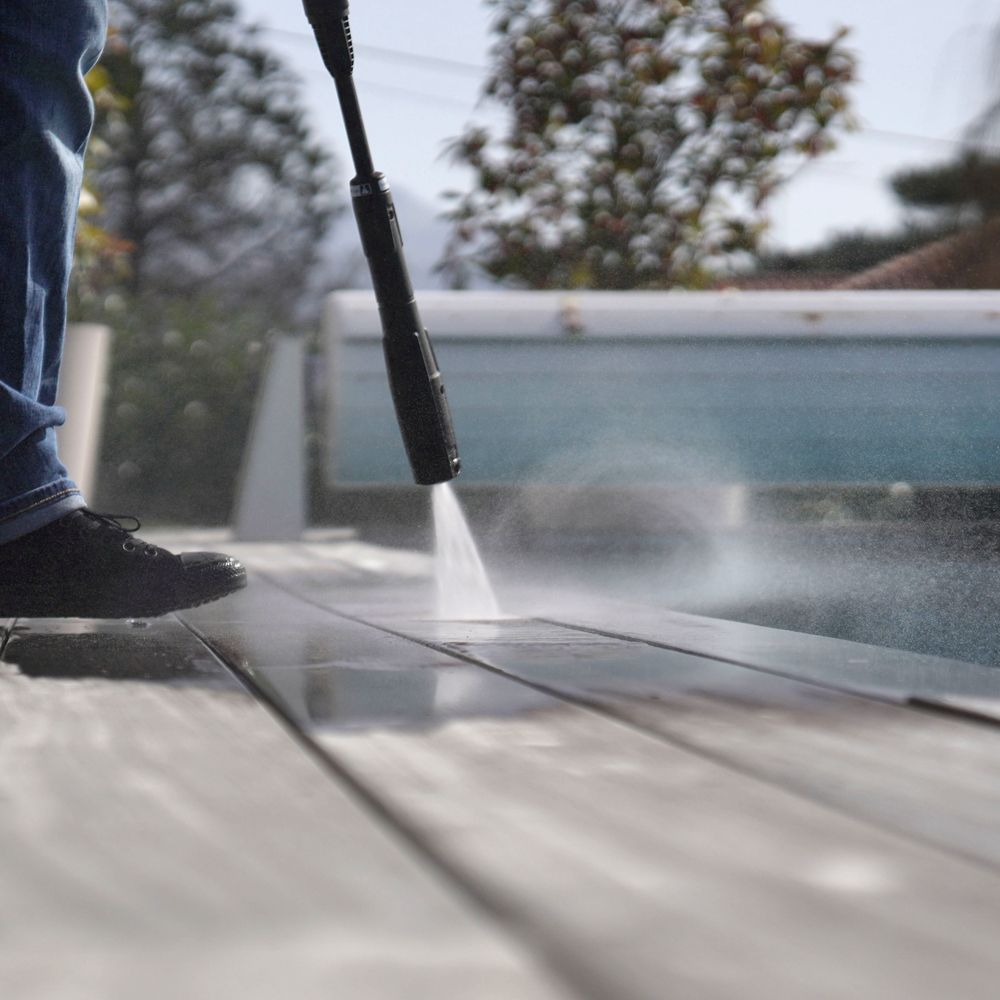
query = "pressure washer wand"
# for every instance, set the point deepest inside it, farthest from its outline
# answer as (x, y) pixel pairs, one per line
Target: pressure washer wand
(417, 388)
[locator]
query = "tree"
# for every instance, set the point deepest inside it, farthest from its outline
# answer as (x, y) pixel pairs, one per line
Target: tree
(964, 191)
(949, 238)
(207, 198)
(210, 175)
(644, 138)
(181, 391)
(848, 253)
(99, 260)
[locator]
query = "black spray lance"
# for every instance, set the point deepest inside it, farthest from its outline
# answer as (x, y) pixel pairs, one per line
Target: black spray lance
(416, 385)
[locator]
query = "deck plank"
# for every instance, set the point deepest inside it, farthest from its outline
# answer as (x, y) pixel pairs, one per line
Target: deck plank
(646, 868)
(864, 669)
(164, 836)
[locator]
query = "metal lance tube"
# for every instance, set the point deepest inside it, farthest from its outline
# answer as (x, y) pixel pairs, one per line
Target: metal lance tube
(414, 379)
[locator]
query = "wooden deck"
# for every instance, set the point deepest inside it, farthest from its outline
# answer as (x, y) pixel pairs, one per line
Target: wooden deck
(314, 789)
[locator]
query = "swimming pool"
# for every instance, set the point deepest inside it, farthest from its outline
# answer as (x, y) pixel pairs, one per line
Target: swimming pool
(764, 388)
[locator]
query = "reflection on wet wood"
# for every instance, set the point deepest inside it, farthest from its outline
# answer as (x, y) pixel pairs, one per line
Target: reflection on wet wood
(338, 674)
(164, 837)
(868, 756)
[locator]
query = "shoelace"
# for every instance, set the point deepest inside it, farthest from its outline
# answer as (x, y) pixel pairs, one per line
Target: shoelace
(114, 522)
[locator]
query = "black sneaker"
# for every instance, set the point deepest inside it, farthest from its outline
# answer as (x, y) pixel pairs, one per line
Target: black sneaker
(88, 565)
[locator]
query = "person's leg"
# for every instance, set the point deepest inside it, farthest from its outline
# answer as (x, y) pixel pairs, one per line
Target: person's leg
(58, 559)
(45, 121)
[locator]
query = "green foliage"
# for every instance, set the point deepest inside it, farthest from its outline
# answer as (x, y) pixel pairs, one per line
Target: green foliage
(212, 198)
(183, 383)
(208, 173)
(969, 184)
(644, 138)
(848, 253)
(100, 257)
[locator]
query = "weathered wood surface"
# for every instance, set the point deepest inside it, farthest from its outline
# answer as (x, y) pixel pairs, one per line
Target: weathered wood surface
(970, 708)
(641, 868)
(163, 836)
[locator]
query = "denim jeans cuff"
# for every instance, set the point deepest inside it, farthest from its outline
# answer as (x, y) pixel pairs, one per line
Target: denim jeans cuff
(38, 508)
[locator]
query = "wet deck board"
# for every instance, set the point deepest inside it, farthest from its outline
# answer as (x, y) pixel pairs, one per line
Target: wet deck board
(881, 761)
(840, 722)
(824, 717)
(625, 803)
(851, 666)
(163, 835)
(641, 867)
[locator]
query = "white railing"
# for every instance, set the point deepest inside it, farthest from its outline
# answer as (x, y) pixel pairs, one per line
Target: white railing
(353, 314)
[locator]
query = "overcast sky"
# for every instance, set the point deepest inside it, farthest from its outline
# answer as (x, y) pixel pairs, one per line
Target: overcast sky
(923, 69)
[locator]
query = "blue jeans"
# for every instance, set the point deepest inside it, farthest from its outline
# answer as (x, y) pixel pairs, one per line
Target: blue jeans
(46, 47)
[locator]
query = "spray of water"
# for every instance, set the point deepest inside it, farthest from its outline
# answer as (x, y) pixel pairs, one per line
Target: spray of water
(463, 588)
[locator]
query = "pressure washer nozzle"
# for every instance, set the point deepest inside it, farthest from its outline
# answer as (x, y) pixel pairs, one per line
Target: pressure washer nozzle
(421, 405)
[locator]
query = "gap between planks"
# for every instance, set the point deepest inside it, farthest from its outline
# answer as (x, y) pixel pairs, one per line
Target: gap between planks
(560, 964)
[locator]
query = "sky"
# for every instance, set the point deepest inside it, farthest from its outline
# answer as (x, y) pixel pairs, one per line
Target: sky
(923, 68)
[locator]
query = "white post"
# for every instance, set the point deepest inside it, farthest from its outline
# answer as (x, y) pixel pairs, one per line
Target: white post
(81, 391)
(271, 505)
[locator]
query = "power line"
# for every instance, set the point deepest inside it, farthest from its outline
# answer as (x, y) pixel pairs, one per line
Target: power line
(398, 55)
(414, 95)
(473, 69)
(407, 93)
(882, 133)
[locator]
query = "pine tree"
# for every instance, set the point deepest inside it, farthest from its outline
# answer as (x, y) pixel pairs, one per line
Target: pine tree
(208, 171)
(964, 191)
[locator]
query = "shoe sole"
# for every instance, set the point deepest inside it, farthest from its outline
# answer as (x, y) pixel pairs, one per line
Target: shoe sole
(233, 582)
